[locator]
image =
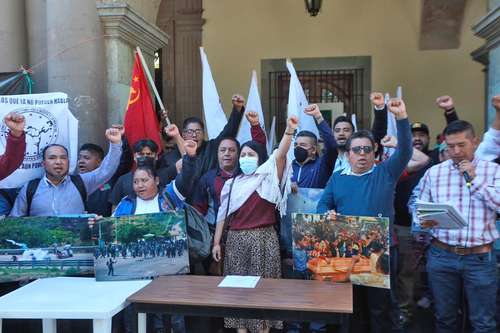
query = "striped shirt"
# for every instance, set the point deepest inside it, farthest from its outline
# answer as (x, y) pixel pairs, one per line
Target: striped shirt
(443, 183)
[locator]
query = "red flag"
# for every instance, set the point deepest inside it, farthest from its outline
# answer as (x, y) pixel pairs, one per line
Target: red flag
(140, 119)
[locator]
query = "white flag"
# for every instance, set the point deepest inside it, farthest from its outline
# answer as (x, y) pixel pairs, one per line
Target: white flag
(272, 137)
(353, 120)
(399, 92)
(391, 130)
(215, 118)
(297, 102)
(48, 121)
(253, 104)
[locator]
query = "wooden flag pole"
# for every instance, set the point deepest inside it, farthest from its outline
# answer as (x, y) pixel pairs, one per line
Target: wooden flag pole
(152, 84)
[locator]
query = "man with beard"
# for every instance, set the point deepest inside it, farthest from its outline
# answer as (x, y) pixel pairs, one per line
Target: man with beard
(342, 131)
(309, 169)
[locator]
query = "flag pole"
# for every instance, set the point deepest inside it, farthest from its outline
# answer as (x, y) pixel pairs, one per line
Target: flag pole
(152, 84)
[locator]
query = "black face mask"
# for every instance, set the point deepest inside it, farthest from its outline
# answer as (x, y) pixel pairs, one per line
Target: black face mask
(301, 154)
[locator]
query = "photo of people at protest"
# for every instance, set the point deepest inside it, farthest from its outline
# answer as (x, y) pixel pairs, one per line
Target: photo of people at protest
(142, 246)
(350, 248)
(36, 247)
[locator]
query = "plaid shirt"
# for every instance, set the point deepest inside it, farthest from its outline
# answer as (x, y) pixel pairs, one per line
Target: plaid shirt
(443, 183)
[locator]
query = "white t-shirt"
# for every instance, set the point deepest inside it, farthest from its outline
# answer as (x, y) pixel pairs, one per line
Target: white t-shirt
(147, 206)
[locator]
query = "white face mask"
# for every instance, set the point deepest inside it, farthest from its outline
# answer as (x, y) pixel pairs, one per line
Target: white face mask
(248, 164)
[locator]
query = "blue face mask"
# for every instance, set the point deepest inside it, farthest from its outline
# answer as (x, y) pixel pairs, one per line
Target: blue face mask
(248, 164)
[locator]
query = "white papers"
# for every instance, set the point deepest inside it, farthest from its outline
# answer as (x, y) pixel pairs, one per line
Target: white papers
(238, 281)
(445, 215)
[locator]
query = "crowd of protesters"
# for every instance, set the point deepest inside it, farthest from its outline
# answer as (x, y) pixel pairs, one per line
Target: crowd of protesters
(242, 191)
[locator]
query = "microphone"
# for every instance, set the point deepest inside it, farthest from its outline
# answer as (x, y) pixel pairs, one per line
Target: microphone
(468, 180)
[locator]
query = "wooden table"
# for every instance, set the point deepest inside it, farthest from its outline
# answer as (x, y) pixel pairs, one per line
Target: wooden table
(297, 300)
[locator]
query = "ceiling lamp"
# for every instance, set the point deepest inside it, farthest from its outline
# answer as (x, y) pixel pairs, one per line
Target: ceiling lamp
(313, 6)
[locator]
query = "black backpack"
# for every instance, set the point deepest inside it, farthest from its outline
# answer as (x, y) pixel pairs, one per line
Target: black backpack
(33, 185)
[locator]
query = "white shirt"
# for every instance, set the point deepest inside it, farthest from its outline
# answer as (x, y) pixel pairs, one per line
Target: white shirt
(147, 206)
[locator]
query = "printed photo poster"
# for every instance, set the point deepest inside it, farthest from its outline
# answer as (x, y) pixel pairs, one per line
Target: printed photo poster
(48, 121)
(141, 246)
(38, 247)
(304, 201)
(349, 249)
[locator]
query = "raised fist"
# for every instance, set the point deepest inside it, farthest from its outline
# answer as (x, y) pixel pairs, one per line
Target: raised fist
(377, 99)
(190, 147)
(389, 141)
(313, 110)
(398, 108)
(496, 102)
(172, 131)
(119, 127)
(445, 102)
(238, 102)
(15, 122)
(114, 135)
(252, 117)
(292, 123)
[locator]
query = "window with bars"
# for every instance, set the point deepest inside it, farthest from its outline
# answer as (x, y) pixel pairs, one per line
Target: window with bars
(320, 86)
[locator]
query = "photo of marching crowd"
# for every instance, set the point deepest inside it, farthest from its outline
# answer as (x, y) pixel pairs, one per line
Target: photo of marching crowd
(141, 246)
(349, 248)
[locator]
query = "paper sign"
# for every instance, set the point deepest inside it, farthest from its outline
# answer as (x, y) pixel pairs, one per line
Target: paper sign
(237, 281)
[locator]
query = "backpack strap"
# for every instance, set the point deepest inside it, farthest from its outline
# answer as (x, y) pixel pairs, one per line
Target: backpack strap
(30, 193)
(80, 186)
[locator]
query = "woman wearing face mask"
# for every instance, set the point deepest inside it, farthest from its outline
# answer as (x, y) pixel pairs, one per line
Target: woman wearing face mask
(248, 205)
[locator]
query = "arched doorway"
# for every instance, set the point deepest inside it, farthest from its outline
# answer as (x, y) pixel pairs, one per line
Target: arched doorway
(180, 60)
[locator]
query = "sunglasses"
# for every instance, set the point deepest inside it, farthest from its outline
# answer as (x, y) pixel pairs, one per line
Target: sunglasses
(365, 149)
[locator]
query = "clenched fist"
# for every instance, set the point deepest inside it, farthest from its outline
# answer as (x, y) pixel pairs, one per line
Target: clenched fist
(398, 108)
(114, 135)
(252, 117)
(15, 122)
(190, 148)
(292, 123)
(238, 102)
(377, 99)
(445, 102)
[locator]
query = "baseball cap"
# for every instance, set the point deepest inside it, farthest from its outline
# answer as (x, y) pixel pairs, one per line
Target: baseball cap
(420, 127)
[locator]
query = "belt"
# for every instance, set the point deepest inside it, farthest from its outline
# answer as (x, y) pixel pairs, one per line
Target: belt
(460, 250)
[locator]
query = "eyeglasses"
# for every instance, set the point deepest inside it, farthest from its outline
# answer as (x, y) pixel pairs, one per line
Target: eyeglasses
(366, 149)
(192, 132)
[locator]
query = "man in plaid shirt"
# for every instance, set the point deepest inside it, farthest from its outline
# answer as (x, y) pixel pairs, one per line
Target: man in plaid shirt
(463, 258)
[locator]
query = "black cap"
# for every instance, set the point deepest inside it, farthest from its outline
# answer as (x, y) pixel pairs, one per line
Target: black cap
(420, 127)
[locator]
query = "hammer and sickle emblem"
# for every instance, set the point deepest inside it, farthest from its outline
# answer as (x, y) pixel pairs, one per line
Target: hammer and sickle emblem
(133, 96)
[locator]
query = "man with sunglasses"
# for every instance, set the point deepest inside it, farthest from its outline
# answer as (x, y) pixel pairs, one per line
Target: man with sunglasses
(367, 189)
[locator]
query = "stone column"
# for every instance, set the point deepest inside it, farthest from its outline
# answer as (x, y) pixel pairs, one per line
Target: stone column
(75, 63)
(488, 28)
(12, 36)
(36, 26)
(125, 29)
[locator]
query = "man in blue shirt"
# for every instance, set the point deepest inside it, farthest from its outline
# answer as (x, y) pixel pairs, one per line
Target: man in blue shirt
(366, 189)
(56, 193)
(309, 169)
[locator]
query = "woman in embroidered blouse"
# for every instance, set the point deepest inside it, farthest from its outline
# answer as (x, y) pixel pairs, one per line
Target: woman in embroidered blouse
(248, 205)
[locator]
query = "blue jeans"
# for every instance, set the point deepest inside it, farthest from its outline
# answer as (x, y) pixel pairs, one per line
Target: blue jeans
(477, 275)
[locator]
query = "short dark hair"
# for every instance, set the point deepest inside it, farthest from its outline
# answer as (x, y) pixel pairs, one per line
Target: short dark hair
(44, 150)
(93, 148)
(230, 138)
(190, 120)
(343, 119)
(260, 149)
(459, 126)
(308, 134)
(363, 134)
(141, 144)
